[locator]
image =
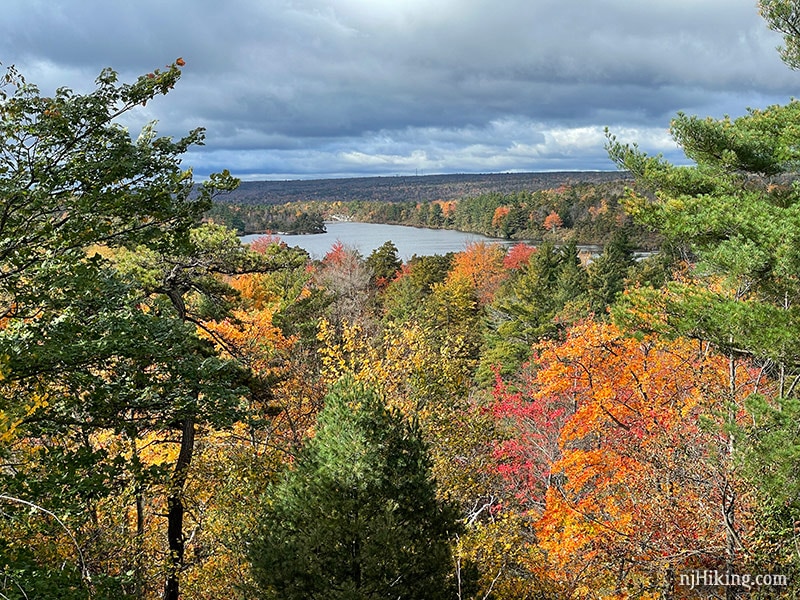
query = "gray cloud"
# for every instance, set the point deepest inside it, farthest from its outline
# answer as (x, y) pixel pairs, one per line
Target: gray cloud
(316, 88)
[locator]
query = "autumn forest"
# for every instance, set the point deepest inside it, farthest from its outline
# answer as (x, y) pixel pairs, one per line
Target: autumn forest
(185, 416)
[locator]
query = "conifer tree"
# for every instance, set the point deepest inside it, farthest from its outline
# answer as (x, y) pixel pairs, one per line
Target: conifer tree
(607, 274)
(571, 283)
(384, 263)
(357, 516)
(734, 216)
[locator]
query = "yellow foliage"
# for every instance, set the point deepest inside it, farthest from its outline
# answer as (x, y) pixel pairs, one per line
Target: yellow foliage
(10, 422)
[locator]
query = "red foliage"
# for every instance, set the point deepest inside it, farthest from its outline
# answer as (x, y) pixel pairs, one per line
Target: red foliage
(338, 254)
(261, 244)
(535, 421)
(404, 271)
(624, 422)
(518, 256)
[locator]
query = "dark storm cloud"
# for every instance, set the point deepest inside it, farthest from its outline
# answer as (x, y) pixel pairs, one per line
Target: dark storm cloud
(326, 88)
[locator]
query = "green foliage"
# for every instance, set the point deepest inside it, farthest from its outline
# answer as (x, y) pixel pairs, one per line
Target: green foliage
(71, 176)
(249, 219)
(523, 312)
(607, 274)
(190, 269)
(590, 212)
(357, 515)
(542, 298)
(736, 215)
(403, 297)
(99, 352)
(451, 318)
(770, 447)
(783, 16)
(384, 263)
(768, 459)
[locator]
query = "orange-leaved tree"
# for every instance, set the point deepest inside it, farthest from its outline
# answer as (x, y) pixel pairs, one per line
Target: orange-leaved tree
(637, 486)
(552, 222)
(481, 265)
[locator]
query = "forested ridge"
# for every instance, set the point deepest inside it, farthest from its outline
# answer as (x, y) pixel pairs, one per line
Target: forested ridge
(587, 212)
(408, 187)
(182, 416)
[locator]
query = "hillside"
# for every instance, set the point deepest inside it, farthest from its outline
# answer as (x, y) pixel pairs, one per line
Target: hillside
(582, 205)
(404, 188)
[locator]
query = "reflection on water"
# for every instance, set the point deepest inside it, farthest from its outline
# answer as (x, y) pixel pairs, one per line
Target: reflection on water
(366, 237)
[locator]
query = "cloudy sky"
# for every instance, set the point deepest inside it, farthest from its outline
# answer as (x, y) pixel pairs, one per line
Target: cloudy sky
(299, 89)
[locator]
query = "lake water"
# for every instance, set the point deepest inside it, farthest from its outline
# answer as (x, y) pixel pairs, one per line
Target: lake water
(366, 237)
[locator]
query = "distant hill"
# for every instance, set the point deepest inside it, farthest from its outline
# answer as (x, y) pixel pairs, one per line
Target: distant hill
(410, 187)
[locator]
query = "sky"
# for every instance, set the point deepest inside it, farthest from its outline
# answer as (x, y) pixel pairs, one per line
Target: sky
(307, 89)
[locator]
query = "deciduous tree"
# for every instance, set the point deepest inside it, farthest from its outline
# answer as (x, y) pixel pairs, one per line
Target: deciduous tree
(480, 265)
(101, 361)
(734, 215)
(614, 461)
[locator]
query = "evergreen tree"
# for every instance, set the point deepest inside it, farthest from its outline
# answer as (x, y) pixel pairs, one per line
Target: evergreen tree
(735, 218)
(607, 274)
(783, 16)
(529, 301)
(384, 263)
(357, 516)
(571, 283)
(404, 296)
(529, 306)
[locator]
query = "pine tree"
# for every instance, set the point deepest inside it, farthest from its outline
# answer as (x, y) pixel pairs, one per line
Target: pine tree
(571, 284)
(608, 272)
(384, 263)
(734, 215)
(357, 516)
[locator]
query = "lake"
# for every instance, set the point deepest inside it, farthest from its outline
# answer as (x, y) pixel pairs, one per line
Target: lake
(366, 237)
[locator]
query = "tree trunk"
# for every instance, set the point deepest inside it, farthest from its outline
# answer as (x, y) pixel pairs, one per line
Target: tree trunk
(139, 546)
(176, 510)
(728, 492)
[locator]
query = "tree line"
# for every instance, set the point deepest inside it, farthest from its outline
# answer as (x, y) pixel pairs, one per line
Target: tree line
(588, 212)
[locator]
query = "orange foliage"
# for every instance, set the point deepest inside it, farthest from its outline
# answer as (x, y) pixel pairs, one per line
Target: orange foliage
(481, 265)
(500, 213)
(602, 209)
(448, 206)
(638, 484)
(552, 221)
(251, 337)
(232, 467)
(251, 288)
(338, 254)
(404, 271)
